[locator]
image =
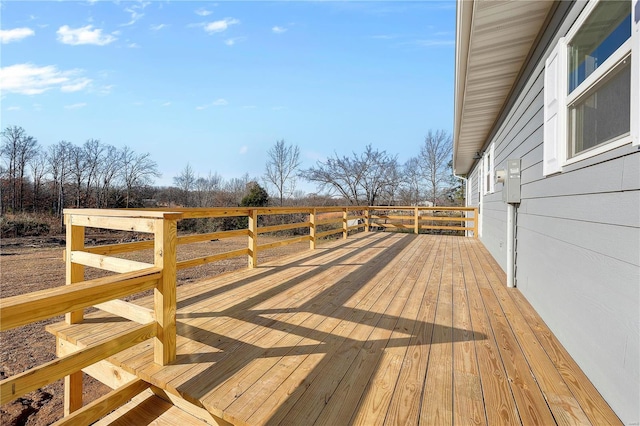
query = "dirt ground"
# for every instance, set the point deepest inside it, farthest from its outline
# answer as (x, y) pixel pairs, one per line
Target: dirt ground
(35, 263)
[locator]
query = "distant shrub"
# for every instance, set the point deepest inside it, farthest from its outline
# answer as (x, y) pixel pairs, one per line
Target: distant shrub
(24, 226)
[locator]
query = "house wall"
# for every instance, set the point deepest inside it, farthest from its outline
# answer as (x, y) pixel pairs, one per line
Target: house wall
(578, 237)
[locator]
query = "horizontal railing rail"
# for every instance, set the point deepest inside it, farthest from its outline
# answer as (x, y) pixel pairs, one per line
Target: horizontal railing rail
(134, 276)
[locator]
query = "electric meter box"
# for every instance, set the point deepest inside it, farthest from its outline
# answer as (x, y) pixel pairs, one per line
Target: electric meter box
(511, 189)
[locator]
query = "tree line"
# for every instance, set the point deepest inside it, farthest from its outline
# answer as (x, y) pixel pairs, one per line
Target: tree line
(94, 174)
(99, 175)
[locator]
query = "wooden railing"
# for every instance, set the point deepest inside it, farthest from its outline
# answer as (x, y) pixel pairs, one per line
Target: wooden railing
(132, 276)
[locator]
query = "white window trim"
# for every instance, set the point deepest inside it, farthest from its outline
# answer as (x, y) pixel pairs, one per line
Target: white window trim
(489, 170)
(556, 139)
(635, 73)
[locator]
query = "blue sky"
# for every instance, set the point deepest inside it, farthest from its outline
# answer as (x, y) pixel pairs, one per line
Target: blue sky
(216, 84)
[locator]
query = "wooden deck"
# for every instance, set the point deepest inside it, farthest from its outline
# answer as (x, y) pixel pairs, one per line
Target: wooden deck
(382, 328)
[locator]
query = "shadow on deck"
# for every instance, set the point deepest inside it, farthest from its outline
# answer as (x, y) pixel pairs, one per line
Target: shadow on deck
(382, 328)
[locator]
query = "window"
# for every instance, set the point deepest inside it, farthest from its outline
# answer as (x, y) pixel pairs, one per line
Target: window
(489, 170)
(589, 79)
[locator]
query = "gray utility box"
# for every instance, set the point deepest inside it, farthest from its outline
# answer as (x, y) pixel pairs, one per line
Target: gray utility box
(511, 189)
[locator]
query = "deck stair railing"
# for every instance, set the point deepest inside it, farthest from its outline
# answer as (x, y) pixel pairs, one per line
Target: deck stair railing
(131, 277)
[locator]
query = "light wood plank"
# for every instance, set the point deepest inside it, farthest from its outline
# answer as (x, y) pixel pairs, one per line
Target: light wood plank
(500, 407)
(197, 238)
(104, 371)
(20, 310)
(128, 310)
(529, 399)
(468, 404)
(108, 249)
(149, 409)
(107, 263)
(404, 407)
(104, 405)
(274, 228)
(164, 295)
(209, 259)
(437, 400)
(133, 224)
(32, 379)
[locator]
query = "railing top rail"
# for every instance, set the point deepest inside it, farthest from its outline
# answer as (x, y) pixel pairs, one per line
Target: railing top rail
(128, 213)
(178, 213)
(436, 208)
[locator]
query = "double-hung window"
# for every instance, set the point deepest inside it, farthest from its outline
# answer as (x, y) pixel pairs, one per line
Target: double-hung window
(591, 85)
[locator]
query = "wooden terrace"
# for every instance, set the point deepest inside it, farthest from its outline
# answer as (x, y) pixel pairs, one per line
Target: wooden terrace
(376, 328)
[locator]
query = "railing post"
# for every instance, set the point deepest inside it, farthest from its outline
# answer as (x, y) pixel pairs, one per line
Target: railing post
(312, 229)
(475, 222)
(253, 238)
(164, 298)
(345, 229)
(416, 223)
(74, 273)
(367, 219)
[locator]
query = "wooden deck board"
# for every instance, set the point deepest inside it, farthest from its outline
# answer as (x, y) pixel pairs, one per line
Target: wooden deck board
(381, 328)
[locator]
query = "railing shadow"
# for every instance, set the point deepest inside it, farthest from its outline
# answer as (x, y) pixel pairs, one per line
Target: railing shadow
(338, 346)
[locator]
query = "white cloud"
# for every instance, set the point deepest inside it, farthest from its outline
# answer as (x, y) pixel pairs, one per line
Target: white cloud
(135, 13)
(232, 41)
(166, 104)
(279, 30)
(244, 149)
(76, 106)
(84, 35)
(28, 79)
(16, 34)
(217, 102)
(221, 25)
(14, 108)
(158, 27)
(203, 12)
(76, 85)
(133, 46)
(106, 89)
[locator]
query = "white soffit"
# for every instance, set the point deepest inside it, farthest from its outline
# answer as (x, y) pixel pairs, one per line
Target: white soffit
(493, 39)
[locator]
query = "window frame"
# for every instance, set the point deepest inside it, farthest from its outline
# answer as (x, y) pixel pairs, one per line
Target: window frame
(557, 140)
(488, 170)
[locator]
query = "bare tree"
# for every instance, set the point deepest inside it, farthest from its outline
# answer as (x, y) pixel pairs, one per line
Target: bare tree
(58, 160)
(410, 192)
(185, 181)
(11, 139)
(137, 170)
(107, 173)
(282, 165)
(39, 168)
(235, 189)
(93, 156)
(17, 149)
(362, 178)
(206, 188)
(435, 154)
(77, 170)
